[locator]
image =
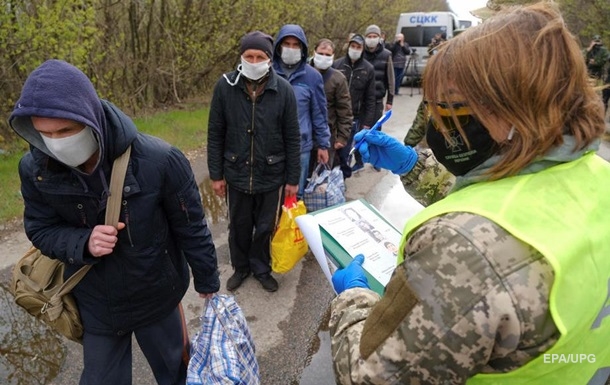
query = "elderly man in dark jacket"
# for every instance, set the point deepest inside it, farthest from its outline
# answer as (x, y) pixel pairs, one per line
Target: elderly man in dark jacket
(253, 155)
(140, 269)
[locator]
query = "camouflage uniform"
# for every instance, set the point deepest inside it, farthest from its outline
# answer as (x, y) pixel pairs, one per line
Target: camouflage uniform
(428, 181)
(452, 310)
(469, 298)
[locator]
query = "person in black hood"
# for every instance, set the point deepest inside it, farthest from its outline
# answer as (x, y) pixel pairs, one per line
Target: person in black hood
(141, 268)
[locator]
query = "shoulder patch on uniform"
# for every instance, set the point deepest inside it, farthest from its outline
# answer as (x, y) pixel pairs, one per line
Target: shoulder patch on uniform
(397, 302)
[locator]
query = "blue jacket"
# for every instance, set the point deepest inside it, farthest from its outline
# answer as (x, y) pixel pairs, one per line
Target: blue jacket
(308, 87)
(146, 275)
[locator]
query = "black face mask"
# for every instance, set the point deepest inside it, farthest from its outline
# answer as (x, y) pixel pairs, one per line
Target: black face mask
(457, 158)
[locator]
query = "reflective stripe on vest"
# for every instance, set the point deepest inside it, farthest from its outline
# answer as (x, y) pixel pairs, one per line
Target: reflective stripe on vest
(561, 212)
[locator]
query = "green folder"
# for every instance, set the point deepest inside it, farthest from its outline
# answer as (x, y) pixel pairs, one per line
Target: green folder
(339, 256)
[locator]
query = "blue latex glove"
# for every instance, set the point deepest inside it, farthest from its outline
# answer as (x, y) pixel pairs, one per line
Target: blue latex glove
(351, 276)
(384, 151)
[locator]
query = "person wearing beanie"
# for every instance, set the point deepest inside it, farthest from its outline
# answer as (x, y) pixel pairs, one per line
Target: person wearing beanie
(140, 268)
(256, 167)
(290, 62)
(361, 83)
(381, 59)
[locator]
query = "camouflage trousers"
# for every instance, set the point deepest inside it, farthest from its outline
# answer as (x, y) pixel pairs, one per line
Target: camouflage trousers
(428, 181)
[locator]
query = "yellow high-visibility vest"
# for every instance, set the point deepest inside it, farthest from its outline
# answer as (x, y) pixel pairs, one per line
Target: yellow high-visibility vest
(563, 213)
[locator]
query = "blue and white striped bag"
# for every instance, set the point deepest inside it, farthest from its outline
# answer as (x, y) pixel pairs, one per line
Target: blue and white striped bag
(222, 352)
(325, 188)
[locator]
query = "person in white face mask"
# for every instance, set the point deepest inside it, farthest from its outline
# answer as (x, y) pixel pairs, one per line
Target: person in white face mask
(140, 268)
(360, 76)
(253, 155)
(338, 100)
(290, 62)
(381, 58)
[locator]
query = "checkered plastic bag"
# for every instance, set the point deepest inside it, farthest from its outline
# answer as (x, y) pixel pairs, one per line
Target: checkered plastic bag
(222, 352)
(325, 188)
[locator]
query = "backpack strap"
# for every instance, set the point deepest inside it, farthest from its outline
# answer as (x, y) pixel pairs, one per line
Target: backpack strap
(113, 207)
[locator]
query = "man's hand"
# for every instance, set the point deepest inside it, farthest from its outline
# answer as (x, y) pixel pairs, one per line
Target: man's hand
(206, 295)
(103, 238)
(339, 145)
(290, 190)
(219, 187)
(322, 155)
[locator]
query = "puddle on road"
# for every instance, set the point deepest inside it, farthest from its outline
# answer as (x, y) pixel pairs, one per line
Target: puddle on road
(30, 353)
(215, 206)
(319, 370)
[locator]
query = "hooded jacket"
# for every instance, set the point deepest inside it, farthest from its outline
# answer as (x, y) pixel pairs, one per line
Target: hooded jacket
(360, 77)
(146, 275)
(308, 88)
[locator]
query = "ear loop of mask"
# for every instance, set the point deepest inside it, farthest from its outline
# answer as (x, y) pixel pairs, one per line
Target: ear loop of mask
(236, 78)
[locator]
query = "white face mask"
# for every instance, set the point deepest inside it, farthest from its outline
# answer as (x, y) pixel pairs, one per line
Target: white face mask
(371, 42)
(354, 54)
(254, 71)
(291, 56)
(73, 150)
(323, 62)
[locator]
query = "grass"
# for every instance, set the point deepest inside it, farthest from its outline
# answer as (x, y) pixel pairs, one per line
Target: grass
(185, 129)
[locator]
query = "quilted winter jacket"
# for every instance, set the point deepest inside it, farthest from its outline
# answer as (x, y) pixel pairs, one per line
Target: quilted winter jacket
(147, 274)
(254, 145)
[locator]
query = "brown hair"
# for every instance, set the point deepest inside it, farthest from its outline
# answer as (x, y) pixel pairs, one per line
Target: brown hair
(324, 42)
(526, 68)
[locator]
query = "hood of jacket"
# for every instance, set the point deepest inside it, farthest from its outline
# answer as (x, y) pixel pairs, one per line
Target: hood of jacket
(57, 89)
(289, 30)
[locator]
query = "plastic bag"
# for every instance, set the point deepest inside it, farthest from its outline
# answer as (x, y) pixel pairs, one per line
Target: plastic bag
(222, 352)
(325, 188)
(288, 244)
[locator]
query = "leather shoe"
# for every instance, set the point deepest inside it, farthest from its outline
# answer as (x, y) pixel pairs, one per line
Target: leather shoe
(268, 282)
(238, 277)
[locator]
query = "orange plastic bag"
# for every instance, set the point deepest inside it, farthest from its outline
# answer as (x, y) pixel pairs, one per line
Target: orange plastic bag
(288, 245)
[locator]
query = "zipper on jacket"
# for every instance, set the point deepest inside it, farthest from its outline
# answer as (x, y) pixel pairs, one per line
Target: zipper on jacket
(252, 139)
(126, 216)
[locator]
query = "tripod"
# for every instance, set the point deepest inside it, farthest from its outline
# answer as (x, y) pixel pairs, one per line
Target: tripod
(414, 74)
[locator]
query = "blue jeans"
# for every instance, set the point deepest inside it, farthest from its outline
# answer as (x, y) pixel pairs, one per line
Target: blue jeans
(305, 155)
(398, 74)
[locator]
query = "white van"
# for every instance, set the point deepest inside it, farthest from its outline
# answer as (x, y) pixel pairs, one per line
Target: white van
(419, 28)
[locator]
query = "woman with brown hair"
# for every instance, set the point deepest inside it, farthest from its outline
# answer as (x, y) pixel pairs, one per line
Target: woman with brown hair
(505, 280)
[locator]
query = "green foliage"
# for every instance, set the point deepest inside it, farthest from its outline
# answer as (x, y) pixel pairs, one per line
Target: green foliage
(11, 203)
(185, 129)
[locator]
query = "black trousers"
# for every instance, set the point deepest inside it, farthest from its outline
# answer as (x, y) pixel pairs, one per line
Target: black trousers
(165, 344)
(252, 222)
